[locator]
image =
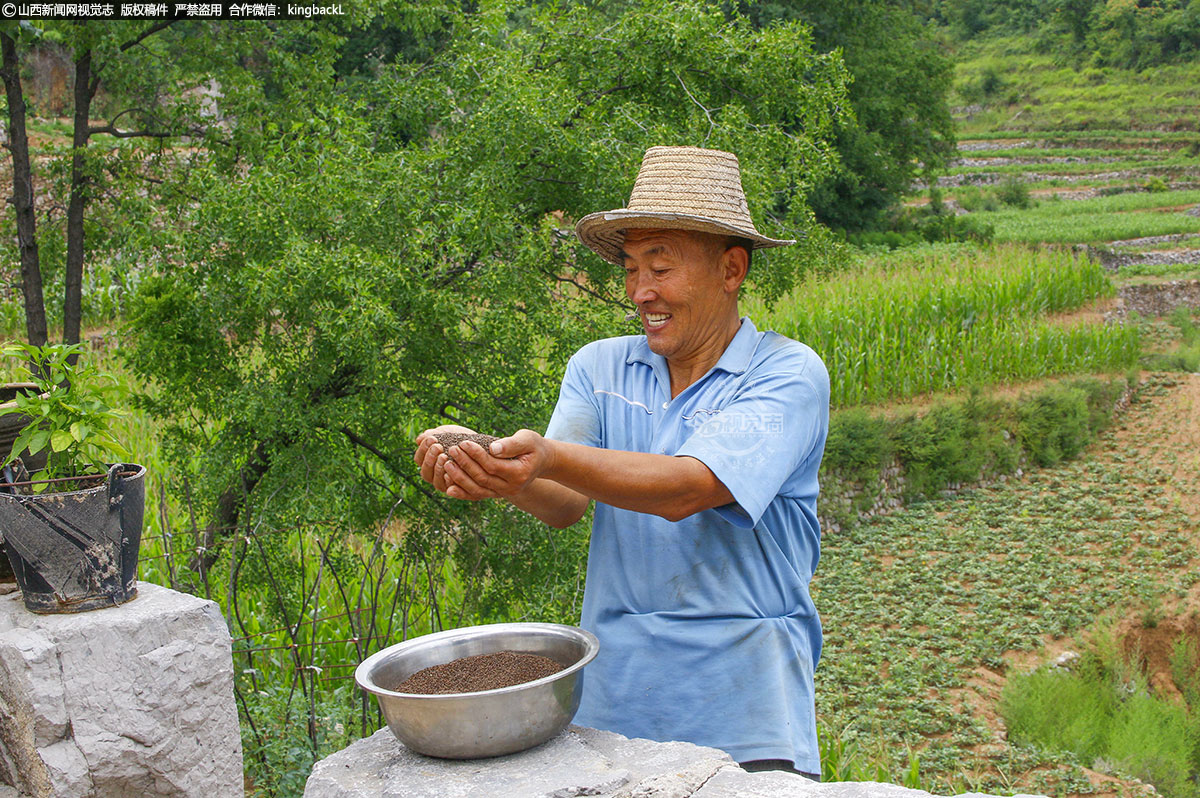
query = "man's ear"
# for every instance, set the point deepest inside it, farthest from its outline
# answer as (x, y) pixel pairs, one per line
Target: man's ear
(735, 263)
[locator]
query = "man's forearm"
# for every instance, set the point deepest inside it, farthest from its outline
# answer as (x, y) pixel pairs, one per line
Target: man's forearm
(552, 503)
(659, 484)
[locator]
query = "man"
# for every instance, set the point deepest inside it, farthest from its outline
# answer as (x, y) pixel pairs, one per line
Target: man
(700, 443)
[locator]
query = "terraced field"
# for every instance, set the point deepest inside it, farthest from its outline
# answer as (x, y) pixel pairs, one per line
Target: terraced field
(945, 600)
(1106, 157)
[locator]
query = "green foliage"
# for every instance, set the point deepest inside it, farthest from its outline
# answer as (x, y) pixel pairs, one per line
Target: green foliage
(1014, 192)
(1059, 710)
(1186, 355)
(859, 443)
(1120, 33)
(1104, 711)
(71, 418)
(843, 759)
(976, 198)
(959, 441)
(901, 126)
(1098, 220)
(1059, 96)
(1055, 425)
(373, 257)
(1155, 184)
(915, 603)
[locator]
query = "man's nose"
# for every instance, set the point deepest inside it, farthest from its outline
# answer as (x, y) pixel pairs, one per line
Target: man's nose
(639, 289)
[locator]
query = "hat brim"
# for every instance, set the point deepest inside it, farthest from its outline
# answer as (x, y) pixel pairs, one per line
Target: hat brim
(604, 232)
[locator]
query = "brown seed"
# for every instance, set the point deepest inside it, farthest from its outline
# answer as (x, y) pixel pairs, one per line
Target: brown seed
(448, 440)
(480, 672)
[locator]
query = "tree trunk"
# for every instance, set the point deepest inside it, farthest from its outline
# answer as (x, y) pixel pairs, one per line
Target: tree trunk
(229, 510)
(73, 300)
(22, 198)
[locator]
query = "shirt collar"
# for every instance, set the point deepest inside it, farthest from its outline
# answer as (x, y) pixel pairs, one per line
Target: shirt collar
(735, 359)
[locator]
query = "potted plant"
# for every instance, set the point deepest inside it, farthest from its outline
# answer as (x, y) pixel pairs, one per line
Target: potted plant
(12, 421)
(71, 528)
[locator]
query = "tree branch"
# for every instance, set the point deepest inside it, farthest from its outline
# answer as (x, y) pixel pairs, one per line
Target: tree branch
(357, 441)
(153, 29)
(131, 134)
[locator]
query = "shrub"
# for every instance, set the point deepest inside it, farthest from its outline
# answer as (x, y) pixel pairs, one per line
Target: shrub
(960, 441)
(975, 198)
(1059, 710)
(1054, 424)
(859, 442)
(1155, 184)
(1014, 192)
(1104, 712)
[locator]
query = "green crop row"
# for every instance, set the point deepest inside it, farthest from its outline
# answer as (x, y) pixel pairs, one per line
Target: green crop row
(1074, 151)
(1095, 134)
(1163, 163)
(1057, 223)
(943, 317)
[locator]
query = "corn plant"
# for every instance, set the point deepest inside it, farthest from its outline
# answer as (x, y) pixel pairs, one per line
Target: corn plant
(943, 317)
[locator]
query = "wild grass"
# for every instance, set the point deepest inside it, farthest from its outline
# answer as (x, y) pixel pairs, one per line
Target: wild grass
(949, 316)
(1104, 711)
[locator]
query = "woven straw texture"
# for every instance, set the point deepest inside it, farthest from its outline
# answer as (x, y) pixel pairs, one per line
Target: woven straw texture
(678, 188)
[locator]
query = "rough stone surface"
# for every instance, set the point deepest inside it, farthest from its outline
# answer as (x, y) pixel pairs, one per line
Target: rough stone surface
(736, 783)
(131, 700)
(578, 762)
(1158, 299)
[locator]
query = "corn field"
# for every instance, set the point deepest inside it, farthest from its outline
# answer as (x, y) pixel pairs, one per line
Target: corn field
(949, 316)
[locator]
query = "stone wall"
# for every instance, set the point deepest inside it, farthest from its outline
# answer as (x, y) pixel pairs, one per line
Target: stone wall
(134, 700)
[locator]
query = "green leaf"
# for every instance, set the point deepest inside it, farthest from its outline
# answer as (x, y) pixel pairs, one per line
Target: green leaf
(79, 431)
(60, 440)
(38, 441)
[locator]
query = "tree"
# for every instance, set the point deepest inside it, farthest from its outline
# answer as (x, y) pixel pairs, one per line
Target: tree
(94, 51)
(156, 85)
(901, 126)
(399, 254)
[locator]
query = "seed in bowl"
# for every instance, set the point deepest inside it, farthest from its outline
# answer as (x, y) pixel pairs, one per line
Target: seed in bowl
(480, 672)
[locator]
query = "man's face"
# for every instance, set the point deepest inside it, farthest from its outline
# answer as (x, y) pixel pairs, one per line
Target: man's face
(680, 286)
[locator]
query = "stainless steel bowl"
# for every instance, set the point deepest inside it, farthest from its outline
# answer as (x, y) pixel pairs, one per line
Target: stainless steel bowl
(487, 723)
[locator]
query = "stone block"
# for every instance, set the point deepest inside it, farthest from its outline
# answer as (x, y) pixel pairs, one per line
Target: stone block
(578, 762)
(134, 700)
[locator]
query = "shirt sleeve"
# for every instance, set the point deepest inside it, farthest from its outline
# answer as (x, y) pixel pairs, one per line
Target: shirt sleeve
(769, 430)
(576, 417)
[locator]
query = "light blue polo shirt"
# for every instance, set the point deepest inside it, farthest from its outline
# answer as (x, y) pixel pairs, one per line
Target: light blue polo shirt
(707, 630)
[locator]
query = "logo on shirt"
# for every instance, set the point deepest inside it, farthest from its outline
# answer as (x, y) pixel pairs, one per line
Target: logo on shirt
(740, 430)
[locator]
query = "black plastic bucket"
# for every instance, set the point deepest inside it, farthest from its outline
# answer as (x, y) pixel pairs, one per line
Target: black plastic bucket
(76, 550)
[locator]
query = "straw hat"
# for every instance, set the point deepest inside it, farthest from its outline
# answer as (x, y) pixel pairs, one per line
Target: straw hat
(678, 188)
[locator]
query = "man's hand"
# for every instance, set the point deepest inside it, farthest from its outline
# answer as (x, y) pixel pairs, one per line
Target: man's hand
(505, 470)
(430, 452)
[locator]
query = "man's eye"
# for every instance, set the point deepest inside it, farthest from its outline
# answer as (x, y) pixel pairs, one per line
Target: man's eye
(659, 272)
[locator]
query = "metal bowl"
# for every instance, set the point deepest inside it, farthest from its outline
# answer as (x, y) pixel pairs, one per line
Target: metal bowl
(490, 722)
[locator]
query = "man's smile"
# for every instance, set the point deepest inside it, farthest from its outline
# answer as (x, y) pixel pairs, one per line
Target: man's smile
(656, 320)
